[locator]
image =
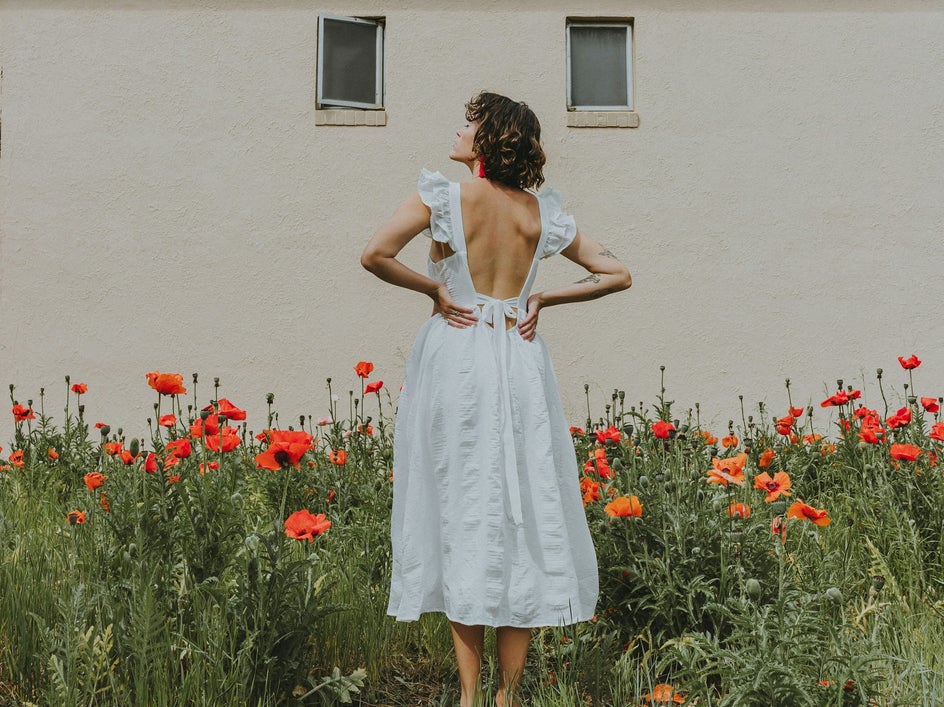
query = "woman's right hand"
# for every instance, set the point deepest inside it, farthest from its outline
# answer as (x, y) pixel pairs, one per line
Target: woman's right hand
(455, 314)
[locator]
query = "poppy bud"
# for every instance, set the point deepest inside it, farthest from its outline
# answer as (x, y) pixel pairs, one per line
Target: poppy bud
(622, 395)
(912, 399)
(834, 595)
(204, 413)
(878, 373)
(617, 463)
(270, 398)
(659, 477)
(778, 507)
(627, 429)
(736, 536)
(752, 587)
(105, 430)
(644, 482)
(216, 381)
(878, 581)
(134, 447)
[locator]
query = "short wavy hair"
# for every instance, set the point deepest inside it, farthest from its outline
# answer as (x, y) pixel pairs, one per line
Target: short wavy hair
(508, 140)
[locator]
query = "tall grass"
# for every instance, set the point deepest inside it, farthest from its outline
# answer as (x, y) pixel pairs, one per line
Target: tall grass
(182, 586)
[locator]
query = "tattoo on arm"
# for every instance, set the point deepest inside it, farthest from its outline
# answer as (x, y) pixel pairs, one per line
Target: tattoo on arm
(592, 277)
(607, 253)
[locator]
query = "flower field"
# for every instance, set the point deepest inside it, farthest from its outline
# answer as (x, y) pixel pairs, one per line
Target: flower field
(795, 557)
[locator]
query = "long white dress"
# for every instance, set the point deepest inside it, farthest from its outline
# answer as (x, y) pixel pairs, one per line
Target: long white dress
(488, 524)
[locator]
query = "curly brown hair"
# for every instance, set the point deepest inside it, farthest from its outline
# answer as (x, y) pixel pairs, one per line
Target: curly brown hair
(508, 139)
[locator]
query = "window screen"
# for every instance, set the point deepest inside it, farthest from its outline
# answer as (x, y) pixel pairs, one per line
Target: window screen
(599, 66)
(350, 62)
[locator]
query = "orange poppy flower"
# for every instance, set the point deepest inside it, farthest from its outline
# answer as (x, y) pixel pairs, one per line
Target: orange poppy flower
(739, 510)
(225, 407)
(930, 404)
(590, 490)
(661, 429)
(779, 484)
(910, 362)
(230, 440)
(338, 457)
(103, 502)
(75, 517)
(374, 387)
(173, 478)
(708, 437)
(785, 425)
(937, 431)
(804, 512)
(94, 480)
(127, 457)
(331, 495)
(796, 412)
(826, 449)
(21, 413)
(16, 458)
(52, 453)
(766, 458)
(728, 471)
(810, 439)
(304, 525)
(286, 448)
(167, 420)
(663, 694)
(905, 452)
(622, 507)
(363, 368)
(729, 441)
(79, 388)
(166, 383)
(113, 448)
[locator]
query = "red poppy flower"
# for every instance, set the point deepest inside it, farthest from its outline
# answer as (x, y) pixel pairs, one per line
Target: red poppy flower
(173, 478)
(910, 362)
(286, 448)
(775, 486)
(127, 457)
(230, 440)
(661, 429)
(373, 387)
(622, 507)
(728, 471)
(610, 433)
(303, 525)
(363, 368)
(840, 398)
(21, 413)
(75, 517)
(225, 407)
(166, 383)
(99, 425)
(331, 495)
(79, 388)
(930, 404)
(168, 420)
(802, 511)
(16, 458)
(150, 464)
(729, 441)
(739, 510)
(113, 448)
(338, 457)
(94, 480)
(179, 448)
(576, 430)
(52, 453)
(590, 490)
(796, 412)
(871, 431)
(103, 502)
(785, 425)
(899, 419)
(937, 431)
(905, 452)
(212, 466)
(766, 458)
(209, 427)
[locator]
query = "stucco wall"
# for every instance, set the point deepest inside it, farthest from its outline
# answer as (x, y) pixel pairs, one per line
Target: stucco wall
(168, 202)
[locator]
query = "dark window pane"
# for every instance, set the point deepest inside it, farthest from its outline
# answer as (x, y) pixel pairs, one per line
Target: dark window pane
(598, 66)
(350, 61)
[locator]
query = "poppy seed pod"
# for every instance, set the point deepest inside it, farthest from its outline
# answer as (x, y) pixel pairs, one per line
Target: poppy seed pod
(878, 581)
(105, 430)
(752, 587)
(644, 482)
(134, 447)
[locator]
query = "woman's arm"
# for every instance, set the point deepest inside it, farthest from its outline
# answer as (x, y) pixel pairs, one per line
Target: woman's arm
(380, 257)
(607, 275)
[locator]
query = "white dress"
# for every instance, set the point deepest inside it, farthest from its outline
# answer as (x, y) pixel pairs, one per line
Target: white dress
(488, 524)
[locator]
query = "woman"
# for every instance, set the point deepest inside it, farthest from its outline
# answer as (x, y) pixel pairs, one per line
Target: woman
(488, 525)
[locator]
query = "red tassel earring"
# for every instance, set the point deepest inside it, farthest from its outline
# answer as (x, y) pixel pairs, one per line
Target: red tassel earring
(482, 168)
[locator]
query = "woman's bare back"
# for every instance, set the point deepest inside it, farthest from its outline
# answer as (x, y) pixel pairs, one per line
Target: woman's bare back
(502, 228)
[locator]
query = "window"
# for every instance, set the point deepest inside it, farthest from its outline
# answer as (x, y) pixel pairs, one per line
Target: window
(600, 65)
(350, 62)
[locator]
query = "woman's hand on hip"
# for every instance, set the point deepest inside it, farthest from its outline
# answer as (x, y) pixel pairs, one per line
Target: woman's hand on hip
(455, 314)
(527, 327)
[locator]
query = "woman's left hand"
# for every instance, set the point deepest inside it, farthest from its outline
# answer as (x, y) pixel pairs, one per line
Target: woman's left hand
(527, 327)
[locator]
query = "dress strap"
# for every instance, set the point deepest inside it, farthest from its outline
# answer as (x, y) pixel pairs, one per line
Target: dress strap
(458, 232)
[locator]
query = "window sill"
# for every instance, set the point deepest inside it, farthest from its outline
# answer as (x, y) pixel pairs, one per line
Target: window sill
(602, 119)
(369, 118)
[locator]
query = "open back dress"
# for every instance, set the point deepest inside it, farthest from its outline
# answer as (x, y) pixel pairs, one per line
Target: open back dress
(488, 524)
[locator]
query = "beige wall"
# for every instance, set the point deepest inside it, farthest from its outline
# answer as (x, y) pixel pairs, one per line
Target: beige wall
(168, 201)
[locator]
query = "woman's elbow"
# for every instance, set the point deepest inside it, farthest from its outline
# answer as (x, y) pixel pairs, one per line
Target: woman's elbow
(626, 280)
(369, 259)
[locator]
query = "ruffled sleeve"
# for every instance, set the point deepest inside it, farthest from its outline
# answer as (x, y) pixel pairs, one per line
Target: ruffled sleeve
(434, 191)
(561, 227)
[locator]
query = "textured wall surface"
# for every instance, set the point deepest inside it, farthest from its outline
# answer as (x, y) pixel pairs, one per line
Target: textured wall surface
(168, 202)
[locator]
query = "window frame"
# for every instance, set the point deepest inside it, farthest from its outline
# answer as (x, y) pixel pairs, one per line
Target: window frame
(329, 103)
(630, 84)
